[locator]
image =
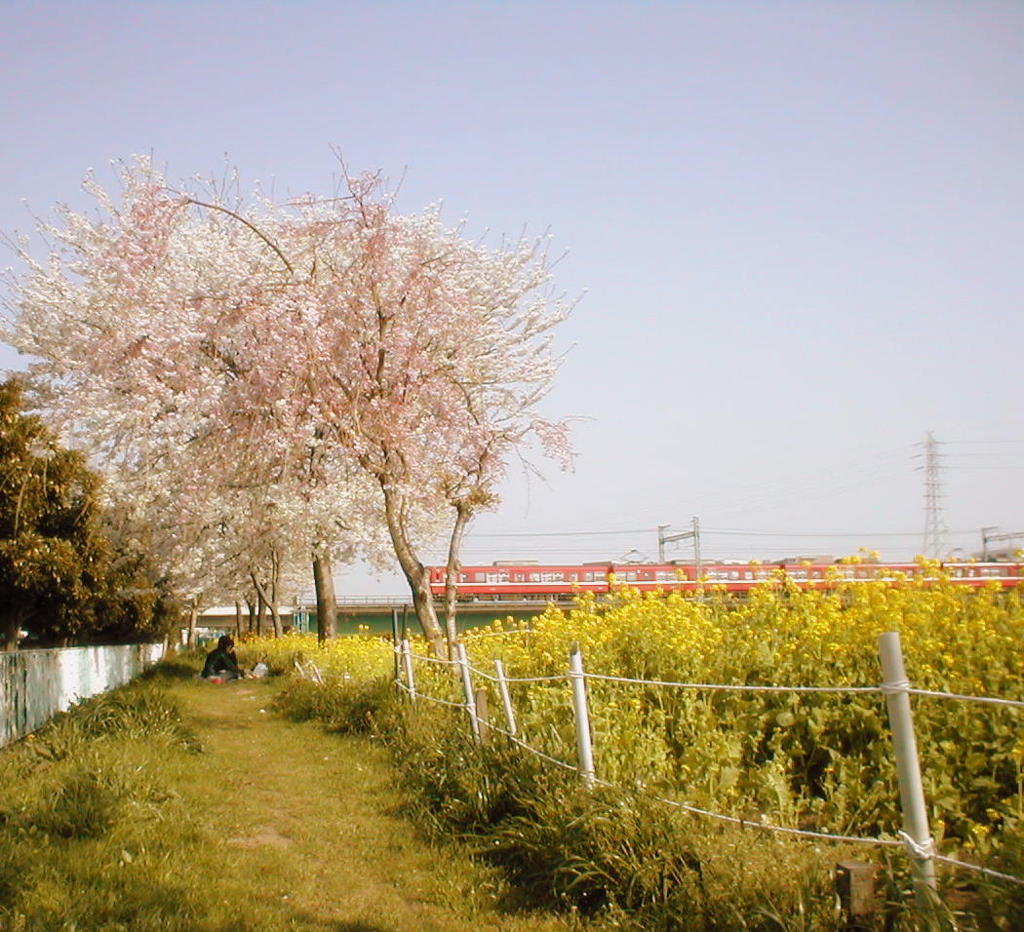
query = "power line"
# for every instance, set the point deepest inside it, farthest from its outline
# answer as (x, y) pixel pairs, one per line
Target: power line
(642, 530)
(976, 468)
(815, 534)
(733, 532)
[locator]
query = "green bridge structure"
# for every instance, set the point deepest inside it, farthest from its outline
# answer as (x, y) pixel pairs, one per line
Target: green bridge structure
(376, 615)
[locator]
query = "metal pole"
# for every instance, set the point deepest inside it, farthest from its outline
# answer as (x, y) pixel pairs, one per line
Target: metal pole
(506, 699)
(695, 523)
(984, 542)
(467, 688)
(908, 769)
(584, 749)
(662, 528)
(410, 683)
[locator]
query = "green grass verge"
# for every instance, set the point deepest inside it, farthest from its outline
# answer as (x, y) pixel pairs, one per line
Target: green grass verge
(176, 805)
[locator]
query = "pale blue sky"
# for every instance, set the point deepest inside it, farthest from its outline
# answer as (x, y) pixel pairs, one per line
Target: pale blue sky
(799, 226)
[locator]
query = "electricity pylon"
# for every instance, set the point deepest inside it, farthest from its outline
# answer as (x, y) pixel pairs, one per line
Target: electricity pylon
(934, 528)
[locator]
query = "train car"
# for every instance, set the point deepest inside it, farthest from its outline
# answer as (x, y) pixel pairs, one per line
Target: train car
(522, 582)
(509, 581)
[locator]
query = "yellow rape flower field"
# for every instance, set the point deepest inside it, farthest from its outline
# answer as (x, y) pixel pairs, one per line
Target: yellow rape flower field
(821, 761)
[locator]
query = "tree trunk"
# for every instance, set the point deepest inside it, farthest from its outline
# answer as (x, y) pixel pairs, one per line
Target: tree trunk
(275, 587)
(250, 604)
(415, 574)
(193, 616)
(238, 619)
(261, 609)
(326, 601)
(462, 516)
(10, 633)
(269, 599)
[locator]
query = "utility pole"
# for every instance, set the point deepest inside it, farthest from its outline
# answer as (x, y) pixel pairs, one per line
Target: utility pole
(934, 529)
(986, 537)
(692, 534)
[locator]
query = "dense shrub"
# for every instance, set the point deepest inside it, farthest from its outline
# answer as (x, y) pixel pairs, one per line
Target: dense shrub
(348, 707)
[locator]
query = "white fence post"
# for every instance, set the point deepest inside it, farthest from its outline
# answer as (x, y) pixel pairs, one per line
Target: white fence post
(467, 688)
(410, 683)
(506, 699)
(584, 749)
(908, 768)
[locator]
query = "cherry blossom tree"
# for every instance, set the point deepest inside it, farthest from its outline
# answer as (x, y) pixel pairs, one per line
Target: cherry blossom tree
(432, 354)
(357, 368)
(159, 350)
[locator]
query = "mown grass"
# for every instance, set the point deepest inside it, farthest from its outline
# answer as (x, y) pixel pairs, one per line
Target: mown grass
(177, 805)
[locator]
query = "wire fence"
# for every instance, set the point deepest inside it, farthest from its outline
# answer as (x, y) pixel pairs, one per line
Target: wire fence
(914, 838)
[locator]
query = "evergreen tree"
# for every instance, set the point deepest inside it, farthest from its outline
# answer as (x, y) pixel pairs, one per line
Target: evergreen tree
(61, 577)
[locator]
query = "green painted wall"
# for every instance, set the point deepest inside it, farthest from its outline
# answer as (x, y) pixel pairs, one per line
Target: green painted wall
(380, 623)
(377, 619)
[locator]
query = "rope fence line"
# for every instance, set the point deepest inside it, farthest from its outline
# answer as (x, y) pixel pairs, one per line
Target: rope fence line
(992, 700)
(913, 849)
(987, 871)
(439, 660)
(915, 838)
(438, 701)
(424, 696)
(734, 687)
(884, 689)
(527, 747)
(483, 674)
(745, 823)
(488, 676)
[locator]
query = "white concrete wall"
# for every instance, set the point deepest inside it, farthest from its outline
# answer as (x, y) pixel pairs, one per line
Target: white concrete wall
(36, 684)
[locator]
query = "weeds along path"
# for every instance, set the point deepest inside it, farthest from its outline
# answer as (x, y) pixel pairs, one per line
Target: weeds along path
(312, 831)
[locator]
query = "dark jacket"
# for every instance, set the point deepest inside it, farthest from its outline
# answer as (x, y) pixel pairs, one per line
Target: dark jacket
(221, 661)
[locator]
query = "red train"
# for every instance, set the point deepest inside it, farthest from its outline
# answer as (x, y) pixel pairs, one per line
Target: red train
(509, 581)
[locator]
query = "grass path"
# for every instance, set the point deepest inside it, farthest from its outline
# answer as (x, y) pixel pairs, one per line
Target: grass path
(310, 832)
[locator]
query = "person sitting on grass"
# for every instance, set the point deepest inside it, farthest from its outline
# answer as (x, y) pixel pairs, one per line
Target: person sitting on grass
(221, 663)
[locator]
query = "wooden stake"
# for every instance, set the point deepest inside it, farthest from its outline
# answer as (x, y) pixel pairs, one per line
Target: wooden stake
(483, 720)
